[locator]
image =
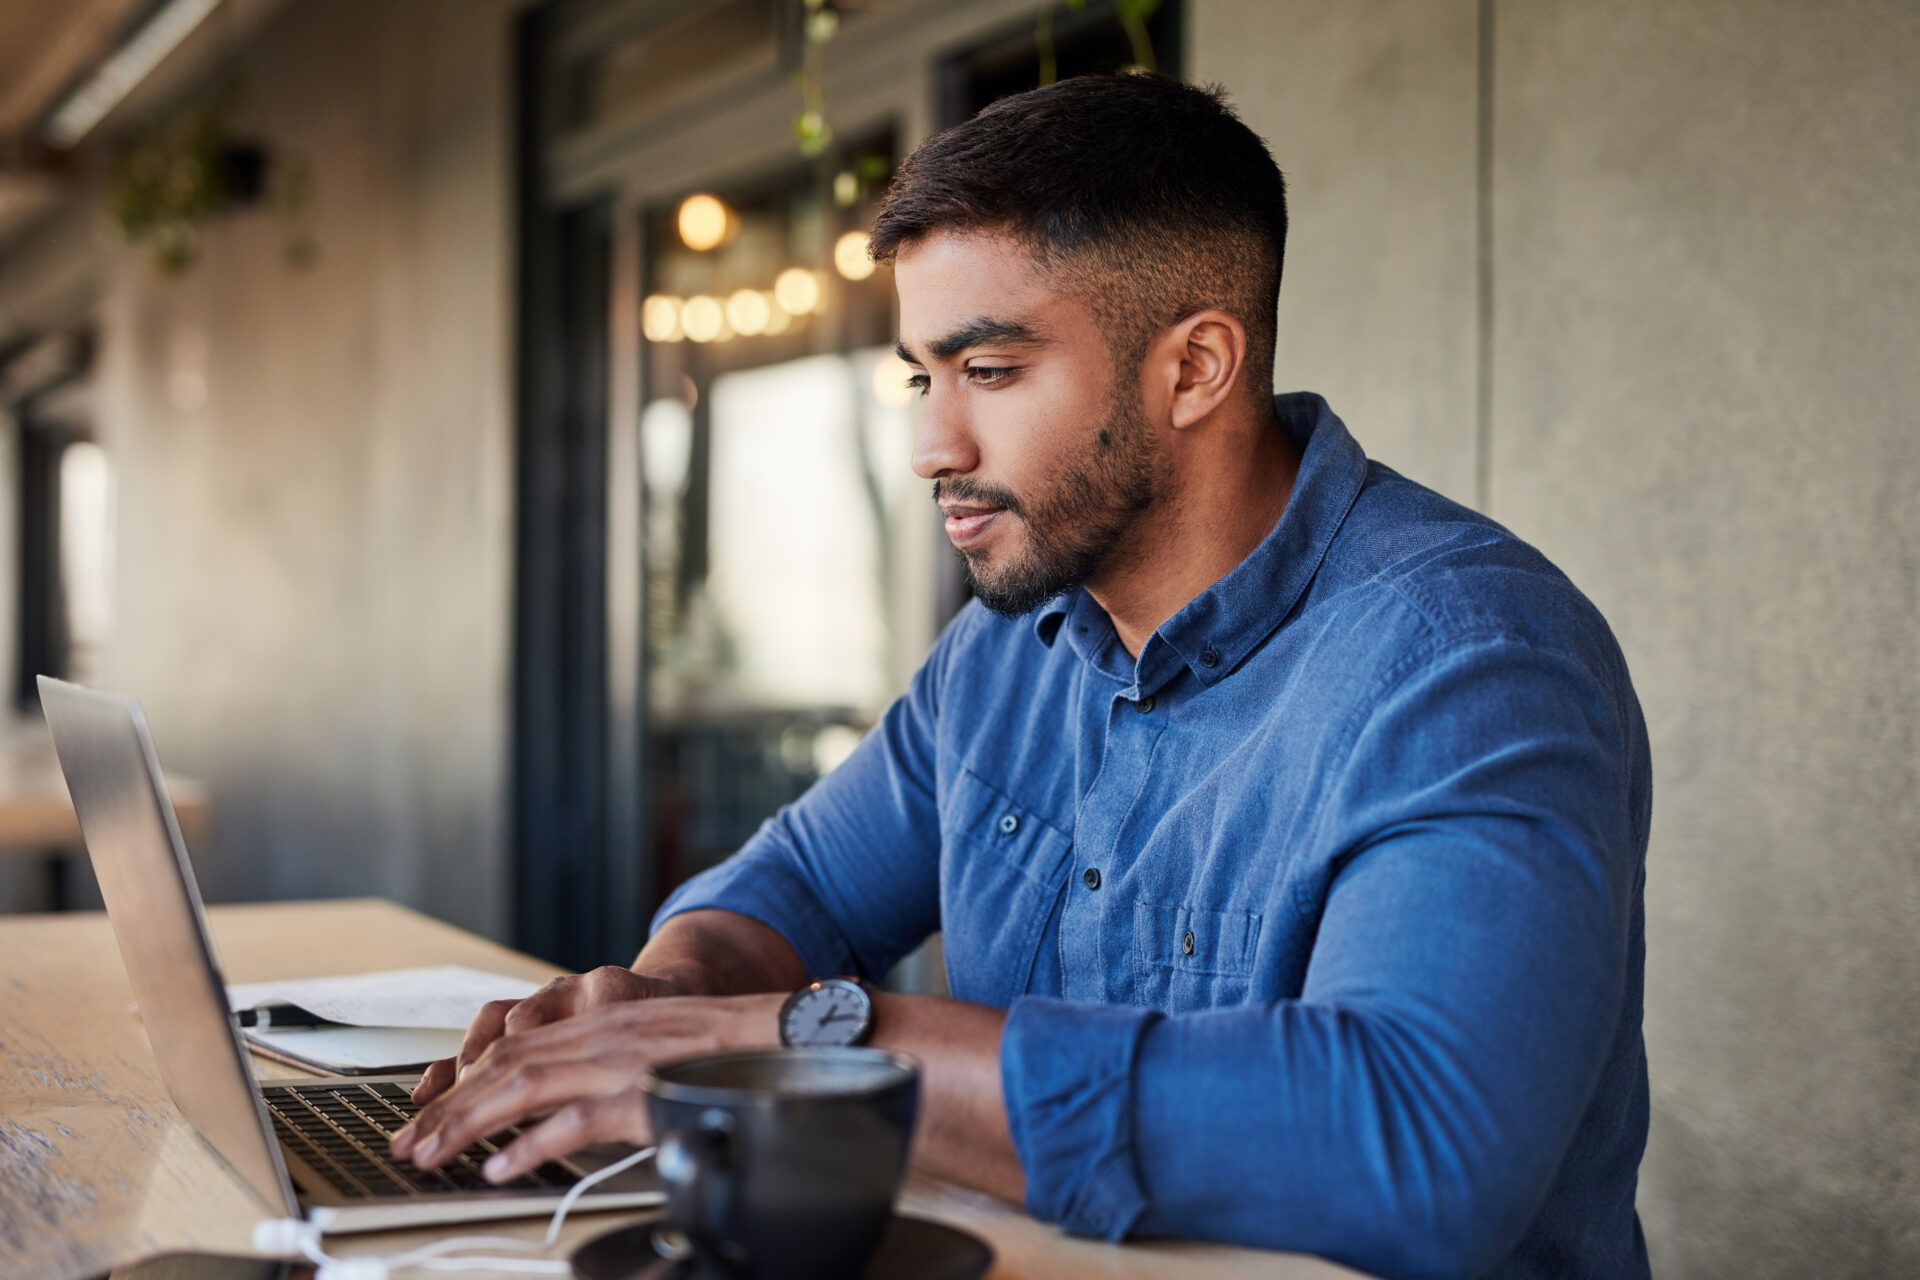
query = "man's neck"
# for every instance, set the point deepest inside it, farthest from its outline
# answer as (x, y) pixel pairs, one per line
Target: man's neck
(1226, 496)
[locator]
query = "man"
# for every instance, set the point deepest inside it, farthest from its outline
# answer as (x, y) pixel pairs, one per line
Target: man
(1286, 821)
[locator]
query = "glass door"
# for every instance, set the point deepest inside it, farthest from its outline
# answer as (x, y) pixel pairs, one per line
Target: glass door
(787, 566)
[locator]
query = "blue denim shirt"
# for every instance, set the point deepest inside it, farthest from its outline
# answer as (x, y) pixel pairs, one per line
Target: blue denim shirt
(1319, 923)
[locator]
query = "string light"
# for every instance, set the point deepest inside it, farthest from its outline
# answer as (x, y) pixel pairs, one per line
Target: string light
(743, 313)
(748, 312)
(704, 319)
(797, 290)
(850, 256)
(660, 318)
(705, 223)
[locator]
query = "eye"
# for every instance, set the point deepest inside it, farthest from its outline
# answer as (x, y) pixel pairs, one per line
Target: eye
(988, 374)
(918, 382)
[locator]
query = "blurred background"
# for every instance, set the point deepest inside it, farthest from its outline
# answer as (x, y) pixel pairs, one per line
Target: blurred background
(408, 401)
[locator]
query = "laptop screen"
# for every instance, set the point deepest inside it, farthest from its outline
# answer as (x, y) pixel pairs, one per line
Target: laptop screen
(154, 906)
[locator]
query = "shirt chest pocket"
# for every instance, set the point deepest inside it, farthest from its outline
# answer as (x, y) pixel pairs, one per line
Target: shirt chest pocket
(1002, 867)
(1191, 958)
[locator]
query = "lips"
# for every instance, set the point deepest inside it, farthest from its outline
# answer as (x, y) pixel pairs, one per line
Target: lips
(967, 525)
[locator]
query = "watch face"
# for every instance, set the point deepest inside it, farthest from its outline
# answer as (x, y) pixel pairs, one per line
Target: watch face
(833, 1012)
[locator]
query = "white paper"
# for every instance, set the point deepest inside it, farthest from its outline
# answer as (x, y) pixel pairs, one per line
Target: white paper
(358, 1048)
(445, 996)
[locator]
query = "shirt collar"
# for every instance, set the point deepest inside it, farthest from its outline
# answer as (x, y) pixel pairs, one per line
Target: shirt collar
(1218, 628)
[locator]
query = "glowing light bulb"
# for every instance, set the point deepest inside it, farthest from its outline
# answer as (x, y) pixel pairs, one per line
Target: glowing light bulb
(748, 312)
(778, 321)
(704, 319)
(850, 256)
(704, 222)
(797, 290)
(660, 318)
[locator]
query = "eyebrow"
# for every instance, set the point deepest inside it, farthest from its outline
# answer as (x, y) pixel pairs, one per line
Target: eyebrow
(975, 333)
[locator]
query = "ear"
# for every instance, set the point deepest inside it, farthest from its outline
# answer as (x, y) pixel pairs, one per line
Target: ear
(1200, 361)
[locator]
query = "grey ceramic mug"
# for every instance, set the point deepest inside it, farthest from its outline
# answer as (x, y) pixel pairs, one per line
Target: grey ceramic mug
(781, 1164)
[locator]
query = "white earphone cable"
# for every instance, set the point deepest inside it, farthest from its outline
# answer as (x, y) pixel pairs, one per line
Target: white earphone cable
(282, 1237)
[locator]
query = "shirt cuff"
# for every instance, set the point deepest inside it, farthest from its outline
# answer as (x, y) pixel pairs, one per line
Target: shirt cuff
(765, 890)
(1067, 1071)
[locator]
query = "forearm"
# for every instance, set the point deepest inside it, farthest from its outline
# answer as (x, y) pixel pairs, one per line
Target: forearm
(712, 952)
(962, 1134)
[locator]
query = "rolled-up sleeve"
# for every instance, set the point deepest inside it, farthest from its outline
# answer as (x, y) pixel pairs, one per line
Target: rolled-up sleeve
(1407, 1112)
(849, 873)
(1067, 1070)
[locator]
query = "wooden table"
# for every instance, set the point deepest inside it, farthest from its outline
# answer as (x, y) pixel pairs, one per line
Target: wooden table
(97, 1169)
(36, 814)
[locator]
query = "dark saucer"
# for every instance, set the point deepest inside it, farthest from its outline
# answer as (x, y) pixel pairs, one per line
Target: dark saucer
(912, 1249)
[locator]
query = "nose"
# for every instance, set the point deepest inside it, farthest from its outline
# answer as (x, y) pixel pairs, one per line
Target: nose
(944, 444)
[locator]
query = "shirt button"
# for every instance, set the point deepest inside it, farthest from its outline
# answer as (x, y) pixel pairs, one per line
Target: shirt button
(1186, 944)
(1009, 823)
(1144, 705)
(1209, 658)
(1091, 877)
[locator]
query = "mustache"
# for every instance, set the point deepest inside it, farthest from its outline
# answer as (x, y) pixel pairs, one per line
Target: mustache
(967, 489)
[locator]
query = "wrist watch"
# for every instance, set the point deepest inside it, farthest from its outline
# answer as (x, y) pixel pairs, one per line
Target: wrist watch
(829, 1012)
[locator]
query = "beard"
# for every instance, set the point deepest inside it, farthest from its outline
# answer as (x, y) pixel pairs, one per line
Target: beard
(1074, 525)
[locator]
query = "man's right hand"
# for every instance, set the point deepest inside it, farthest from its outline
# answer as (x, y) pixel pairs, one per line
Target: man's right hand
(561, 998)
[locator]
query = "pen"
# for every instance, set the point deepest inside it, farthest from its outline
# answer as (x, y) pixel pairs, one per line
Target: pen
(281, 1015)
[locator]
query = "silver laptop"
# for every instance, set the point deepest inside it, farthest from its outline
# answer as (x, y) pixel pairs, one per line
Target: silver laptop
(312, 1147)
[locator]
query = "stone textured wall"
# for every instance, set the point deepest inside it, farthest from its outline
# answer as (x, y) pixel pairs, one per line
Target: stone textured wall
(1705, 314)
(315, 540)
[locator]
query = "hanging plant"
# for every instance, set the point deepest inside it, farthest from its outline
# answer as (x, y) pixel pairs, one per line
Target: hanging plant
(819, 22)
(1132, 16)
(189, 172)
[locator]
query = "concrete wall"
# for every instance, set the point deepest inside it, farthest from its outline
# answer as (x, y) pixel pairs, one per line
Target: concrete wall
(1708, 312)
(1370, 111)
(1705, 309)
(314, 568)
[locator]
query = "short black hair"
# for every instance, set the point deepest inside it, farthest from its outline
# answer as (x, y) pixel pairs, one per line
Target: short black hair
(1149, 194)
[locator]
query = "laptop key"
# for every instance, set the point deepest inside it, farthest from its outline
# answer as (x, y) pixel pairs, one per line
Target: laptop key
(344, 1128)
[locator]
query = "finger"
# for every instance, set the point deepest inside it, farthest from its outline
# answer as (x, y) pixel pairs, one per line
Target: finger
(594, 1027)
(488, 1025)
(491, 1099)
(612, 982)
(572, 1037)
(620, 1117)
(434, 1081)
(548, 1030)
(560, 998)
(655, 1027)
(599, 1053)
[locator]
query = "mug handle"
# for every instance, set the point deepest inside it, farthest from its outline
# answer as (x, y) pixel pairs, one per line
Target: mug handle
(697, 1165)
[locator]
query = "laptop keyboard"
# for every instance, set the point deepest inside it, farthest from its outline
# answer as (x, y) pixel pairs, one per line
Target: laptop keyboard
(341, 1131)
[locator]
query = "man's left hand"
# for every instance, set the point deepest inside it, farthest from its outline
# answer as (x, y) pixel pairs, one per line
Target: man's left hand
(583, 1075)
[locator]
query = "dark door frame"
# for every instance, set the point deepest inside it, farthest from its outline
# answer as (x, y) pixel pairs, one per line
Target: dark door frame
(562, 856)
